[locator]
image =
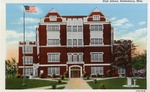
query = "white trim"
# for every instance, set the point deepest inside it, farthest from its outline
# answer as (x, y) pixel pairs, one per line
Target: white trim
(98, 22)
(25, 66)
(104, 64)
(75, 66)
(96, 16)
(43, 65)
(58, 53)
(75, 62)
(53, 23)
(97, 53)
(78, 46)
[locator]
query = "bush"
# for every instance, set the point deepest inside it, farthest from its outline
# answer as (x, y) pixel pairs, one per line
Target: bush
(87, 77)
(42, 75)
(95, 81)
(109, 73)
(59, 81)
(54, 86)
(18, 75)
(102, 86)
(53, 76)
(97, 75)
(66, 74)
(62, 77)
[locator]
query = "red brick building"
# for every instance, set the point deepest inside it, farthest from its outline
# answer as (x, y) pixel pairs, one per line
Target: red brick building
(73, 44)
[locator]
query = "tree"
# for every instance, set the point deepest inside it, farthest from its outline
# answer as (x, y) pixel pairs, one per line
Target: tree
(10, 68)
(123, 55)
(139, 61)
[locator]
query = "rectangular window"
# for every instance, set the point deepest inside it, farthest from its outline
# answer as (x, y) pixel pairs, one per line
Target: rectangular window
(96, 57)
(79, 41)
(28, 60)
(53, 18)
(97, 70)
(68, 28)
(28, 50)
(74, 28)
(28, 71)
(53, 57)
(69, 41)
(53, 41)
(54, 70)
(52, 28)
(96, 28)
(96, 17)
(96, 41)
(74, 41)
(80, 29)
(75, 57)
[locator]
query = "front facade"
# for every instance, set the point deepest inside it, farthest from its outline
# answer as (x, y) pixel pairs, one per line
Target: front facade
(72, 44)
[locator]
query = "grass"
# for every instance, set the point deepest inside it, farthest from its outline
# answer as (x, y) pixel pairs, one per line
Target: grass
(16, 83)
(117, 83)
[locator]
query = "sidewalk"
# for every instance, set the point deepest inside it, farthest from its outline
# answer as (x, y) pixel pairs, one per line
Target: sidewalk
(77, 83)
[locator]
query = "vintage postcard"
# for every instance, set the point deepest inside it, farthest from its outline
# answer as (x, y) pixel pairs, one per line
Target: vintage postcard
(77, 46)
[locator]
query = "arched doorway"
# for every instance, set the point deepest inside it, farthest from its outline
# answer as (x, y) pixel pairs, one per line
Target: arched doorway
(75, 71)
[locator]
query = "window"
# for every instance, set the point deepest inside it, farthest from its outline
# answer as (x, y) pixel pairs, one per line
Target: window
(53, 57)
(97, 70)
(75, 57)
(96, 17)
(79, 28)
(53, 18)
(68, 28)
(96, 57)
(28, 60)
(74, 28)
(70, 57)
(79, 41)
(96, 41)
(54, 70)
(28, 50)
(52, 28)
(69, 41)
(96, 28)
(53, 41)
(28, 71)
(74, 41)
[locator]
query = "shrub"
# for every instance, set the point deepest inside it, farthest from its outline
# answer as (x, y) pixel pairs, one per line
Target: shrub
(102, 86)
(18, 75)
(62, 77)
(54, 86)
(109, 73)
(66, 74)
(97, 75)
(53, 76)
(59, 81)
(42, 75)
(95, 81)
(87, 77)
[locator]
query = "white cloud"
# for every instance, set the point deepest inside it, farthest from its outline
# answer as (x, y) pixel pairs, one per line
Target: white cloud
(113, 18)
(14, 35)
(142, 23)
(27, 21)
(127, 25)
(31, 27)
(120, 22)
(138, 36)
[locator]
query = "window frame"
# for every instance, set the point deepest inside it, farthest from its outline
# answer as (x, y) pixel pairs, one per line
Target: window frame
(55, 69)
(53, 56)
(96, 17)
(53, 18)
(99, 58)
(95, 69)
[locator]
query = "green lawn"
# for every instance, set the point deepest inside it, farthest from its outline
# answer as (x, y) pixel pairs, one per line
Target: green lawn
(16, 83)
(117, 83)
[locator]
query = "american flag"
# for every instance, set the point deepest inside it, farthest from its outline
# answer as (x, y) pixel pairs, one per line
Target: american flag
(30, 9)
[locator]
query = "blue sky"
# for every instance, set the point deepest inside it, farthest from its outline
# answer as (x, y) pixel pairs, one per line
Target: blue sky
(129, 20)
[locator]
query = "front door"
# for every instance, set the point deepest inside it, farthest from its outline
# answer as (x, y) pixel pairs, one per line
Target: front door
(75, 72)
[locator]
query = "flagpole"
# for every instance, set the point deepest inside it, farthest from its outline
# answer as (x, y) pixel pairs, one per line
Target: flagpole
(23, 47)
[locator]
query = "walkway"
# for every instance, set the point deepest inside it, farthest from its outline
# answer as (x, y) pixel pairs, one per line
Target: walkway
(77, 83)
